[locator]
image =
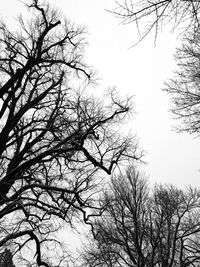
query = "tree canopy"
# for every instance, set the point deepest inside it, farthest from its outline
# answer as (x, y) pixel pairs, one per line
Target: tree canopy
(57, 141)
(144, 226)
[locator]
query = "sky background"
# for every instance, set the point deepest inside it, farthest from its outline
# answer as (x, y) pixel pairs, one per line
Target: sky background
(139, 71)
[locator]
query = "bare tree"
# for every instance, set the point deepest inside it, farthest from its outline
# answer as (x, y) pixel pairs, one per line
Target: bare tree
(183, 88)
(55, 141)
(143, 227)
(151, 16)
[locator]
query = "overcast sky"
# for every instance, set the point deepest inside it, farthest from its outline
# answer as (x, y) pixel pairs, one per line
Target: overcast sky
(139, 71)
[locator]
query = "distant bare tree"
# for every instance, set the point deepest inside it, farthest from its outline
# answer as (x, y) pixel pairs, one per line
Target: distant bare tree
(154, 15)
(55, 141)
(143, 227)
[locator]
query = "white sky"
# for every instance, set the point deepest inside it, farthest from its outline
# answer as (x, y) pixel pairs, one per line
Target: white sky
(140, 71)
